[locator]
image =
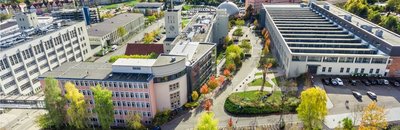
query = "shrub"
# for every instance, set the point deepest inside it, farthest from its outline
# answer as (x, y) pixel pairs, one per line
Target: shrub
(191, 104)
(149, 56)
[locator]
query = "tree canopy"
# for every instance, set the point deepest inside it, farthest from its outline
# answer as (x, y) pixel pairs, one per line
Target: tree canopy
(103, 106)
(135, 122)
(207, 122)
(312, 109)
(76, 111)
(373, 118)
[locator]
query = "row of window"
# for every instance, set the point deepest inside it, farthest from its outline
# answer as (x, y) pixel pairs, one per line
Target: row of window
(110, 84)
(130, 95)
(15, 59)
(340, 59)
(170, 77)
(125, 112)
(131, 104)
(4, 64)
(174, 86)
(348, 70)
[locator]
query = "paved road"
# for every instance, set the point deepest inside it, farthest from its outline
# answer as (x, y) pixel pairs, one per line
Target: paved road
(137, 37)
(189, 120)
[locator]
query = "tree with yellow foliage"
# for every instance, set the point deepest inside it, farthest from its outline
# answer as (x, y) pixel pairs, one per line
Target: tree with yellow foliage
(76, 111)
(207, 122)
(312, 109)
(373, 118)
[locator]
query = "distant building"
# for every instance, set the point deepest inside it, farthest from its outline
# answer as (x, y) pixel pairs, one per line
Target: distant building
(106, 34)
(148, 8)
(231, 8)
(77, 14)
(173, 23)
(26, 54)
(26, 20)
(220, 26)
(142, 86)
(257, 4)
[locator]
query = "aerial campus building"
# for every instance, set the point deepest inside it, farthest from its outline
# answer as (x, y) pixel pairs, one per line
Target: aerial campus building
(36, 48)
(325, 40)
(142, 86)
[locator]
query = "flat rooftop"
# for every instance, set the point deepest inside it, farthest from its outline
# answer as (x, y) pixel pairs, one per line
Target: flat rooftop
(136, 62)
(389, 36)
(22, 37)
(149, 5)
(197, 30)
(112, 24)
(307, 32)
(193, 51)
(93, 71)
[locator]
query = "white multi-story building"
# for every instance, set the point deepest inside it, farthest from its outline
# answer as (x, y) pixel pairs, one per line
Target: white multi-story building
(173, 22)
(314, 40)
(24, 55)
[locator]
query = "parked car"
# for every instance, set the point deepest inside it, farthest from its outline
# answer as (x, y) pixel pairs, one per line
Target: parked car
(385, 82)
(373, 82)
(395, 83)
(357, 94)
(353, 82)
(379, 81)
(371, 95)
(325, 81)
(339, 81)
(114, 47)
(366, 82)
(333, 82)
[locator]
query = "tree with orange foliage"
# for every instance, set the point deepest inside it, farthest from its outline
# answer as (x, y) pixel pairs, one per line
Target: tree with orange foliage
(227, 73)
(373, 118)
(231, 67)
(204, 89)
(213, 83)
(265, 70)
(207, 105)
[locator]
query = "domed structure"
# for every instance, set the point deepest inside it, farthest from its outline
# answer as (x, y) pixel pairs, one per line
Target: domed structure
(231, 8)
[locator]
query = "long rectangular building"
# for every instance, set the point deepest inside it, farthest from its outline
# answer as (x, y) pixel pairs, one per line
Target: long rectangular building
(315, 40)
(26, 55)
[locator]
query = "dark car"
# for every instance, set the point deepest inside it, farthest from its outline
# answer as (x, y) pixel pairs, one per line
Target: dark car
(357, 94)
(366, 82)
(325, 81)
(373, 82)
(333, 81)
(395, 83)
(371, 95)
(353, 82)
(379, 81)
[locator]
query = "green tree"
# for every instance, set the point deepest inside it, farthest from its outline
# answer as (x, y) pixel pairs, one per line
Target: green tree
(121, 31)
(151, 19)
(246, 46)
(148, 38)
(239, 22)
(135, 122)
(161, 117)
(389, 22)
(256, 23)
(312, 109)
(358, 7)
(195, 95)
(103, 106)
(207, 122)
(374, 16)
(55, 103)
(77, 106)
(391, 5)
(234, 55)
(347, 124)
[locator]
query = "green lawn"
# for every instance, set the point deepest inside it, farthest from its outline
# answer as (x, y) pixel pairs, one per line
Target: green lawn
(187, 7)
(114, 6)
(258, 73)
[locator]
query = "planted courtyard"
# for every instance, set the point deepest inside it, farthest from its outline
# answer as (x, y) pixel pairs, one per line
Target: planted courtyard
(257, 102)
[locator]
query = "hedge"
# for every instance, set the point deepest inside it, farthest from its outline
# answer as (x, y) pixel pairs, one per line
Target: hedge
(233, 108)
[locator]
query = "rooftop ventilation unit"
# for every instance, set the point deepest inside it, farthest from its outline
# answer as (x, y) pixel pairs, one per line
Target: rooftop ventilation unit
(326, 7)
(379, 33)
(173, 59)
(367, 27)
(347, 17)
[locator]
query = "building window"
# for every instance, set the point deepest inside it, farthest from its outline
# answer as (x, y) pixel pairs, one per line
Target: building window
(330, 59)
(341, 70)
(371, 71)
(362, 70)
(330, 69)
(348, 70)
(174, 86)
(356, 70)
(377, 71)
(323, 69)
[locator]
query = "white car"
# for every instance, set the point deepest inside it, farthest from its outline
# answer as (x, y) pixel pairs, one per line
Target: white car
(372, 95)
(339, 81)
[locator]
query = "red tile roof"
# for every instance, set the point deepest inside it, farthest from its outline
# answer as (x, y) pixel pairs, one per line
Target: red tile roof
(143, 49)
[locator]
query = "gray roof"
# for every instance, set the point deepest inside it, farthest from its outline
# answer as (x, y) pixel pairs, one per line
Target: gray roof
(166, 60)
(149, 5)
(93, 71)
(7, 25)
(112, 24)
(192, 50)
(230, 7)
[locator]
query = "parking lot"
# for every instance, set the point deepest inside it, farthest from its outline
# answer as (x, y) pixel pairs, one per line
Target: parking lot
(387, 95)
